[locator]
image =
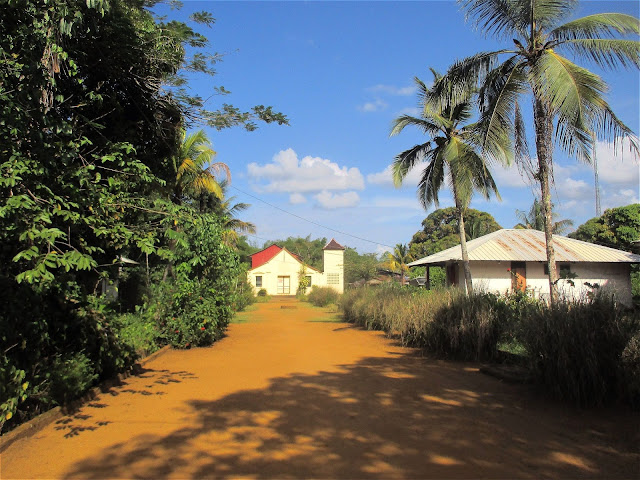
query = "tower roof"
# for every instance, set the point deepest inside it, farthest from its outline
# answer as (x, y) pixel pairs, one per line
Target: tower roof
(333, 245)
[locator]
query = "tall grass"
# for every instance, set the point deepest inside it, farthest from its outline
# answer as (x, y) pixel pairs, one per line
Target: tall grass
(586, 352)
(576, 350)
(445, 322)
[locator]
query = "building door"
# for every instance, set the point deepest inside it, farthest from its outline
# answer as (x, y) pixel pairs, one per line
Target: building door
(284, 285)
(452, 275)
(518, 276)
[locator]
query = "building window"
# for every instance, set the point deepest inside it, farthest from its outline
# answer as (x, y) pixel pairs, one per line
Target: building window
(563, 269)
(308, 281)
(258, 281)
(333, 278)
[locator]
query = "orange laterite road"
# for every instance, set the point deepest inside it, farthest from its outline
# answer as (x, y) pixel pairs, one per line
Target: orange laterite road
(294, 393)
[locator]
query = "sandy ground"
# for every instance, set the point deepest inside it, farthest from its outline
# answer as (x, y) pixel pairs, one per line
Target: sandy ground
(290, 393)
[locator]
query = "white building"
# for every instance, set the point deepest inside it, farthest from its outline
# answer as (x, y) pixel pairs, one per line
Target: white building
(279, 271)
(511, 259)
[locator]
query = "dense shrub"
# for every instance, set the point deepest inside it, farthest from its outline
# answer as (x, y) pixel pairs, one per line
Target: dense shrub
(70, 376)
(576, 348)
(262, 292)
(323, 296)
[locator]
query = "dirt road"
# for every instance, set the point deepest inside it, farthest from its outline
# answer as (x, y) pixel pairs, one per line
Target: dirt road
(290, 393)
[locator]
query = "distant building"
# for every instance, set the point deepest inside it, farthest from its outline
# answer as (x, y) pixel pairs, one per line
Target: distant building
(515, 259)
(279, 271)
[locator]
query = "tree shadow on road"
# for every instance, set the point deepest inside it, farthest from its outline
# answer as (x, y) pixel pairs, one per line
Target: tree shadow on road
(402, 417)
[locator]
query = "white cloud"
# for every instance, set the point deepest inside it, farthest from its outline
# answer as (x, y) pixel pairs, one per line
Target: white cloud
(397, 203)
(297, 198)
(311, 174)
(413, 111)
(393, 90)
(382, 249)
(337, 200)
(385, 178)
(374, 106)
(617, 166)
(508, 177)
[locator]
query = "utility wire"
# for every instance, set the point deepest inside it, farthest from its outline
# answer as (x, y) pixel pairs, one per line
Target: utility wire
(310, 221)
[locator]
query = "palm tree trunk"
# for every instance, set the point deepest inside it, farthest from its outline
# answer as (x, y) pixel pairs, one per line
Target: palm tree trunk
(463, 243)
(544, 149)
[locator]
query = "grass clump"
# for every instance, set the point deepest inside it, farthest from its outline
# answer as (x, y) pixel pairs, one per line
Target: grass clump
(323, 296)
(445, 322)
(584, 351)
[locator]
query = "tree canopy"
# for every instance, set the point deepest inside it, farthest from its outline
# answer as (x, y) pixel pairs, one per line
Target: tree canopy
(440, 230)
(616, 228)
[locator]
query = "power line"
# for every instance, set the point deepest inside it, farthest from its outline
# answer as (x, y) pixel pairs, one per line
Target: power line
(310, 221)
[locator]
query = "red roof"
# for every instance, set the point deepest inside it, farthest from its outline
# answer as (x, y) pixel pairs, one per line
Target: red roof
(263, 256)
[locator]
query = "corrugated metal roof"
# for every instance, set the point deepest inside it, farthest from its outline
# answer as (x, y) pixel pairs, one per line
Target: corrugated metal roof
(529, 246)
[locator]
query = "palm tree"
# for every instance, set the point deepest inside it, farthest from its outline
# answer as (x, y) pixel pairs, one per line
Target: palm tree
(568, 100)
(194, 170)
(398, 260)
(534, 219)
(449, 152)
(227, 210)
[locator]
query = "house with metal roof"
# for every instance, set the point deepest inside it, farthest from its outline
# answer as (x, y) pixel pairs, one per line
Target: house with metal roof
(515, 259)
(279, 272)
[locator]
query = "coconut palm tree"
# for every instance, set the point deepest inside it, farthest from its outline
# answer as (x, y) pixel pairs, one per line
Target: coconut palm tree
(568, 100)
(398, 260)
(195, 172)
(450, 154)
(534, 219)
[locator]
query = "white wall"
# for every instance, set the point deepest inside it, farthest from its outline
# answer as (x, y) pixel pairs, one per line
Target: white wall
(494, 276)
(334, 264)
(284, 264)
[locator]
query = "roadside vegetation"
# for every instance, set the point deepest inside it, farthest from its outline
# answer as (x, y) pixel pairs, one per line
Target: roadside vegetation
(116, 235)
(585, 352)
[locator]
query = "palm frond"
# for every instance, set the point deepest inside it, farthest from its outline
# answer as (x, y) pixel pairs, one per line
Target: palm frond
(609, 127)
(424, 124)
(498, 97)
(606, 53)
(431, 181)
(461, 79)
(521, 147)
(240, 226)
(205, 183)
(572, 94)
(497, 17)
(217, 167)
(405, 161)
(546, 14)
(597, 26)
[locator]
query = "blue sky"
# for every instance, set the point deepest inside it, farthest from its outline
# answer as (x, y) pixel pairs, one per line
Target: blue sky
(341, 72)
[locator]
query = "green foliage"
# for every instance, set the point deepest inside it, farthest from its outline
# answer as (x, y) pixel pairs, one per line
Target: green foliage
(140, 332)
(323, 296)
(262, 292)
(243, 295)
(440, 230)
(534, 219)
(359, 267)
(70, 376)
(309, 251)
(616, 228)
(86, 179)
